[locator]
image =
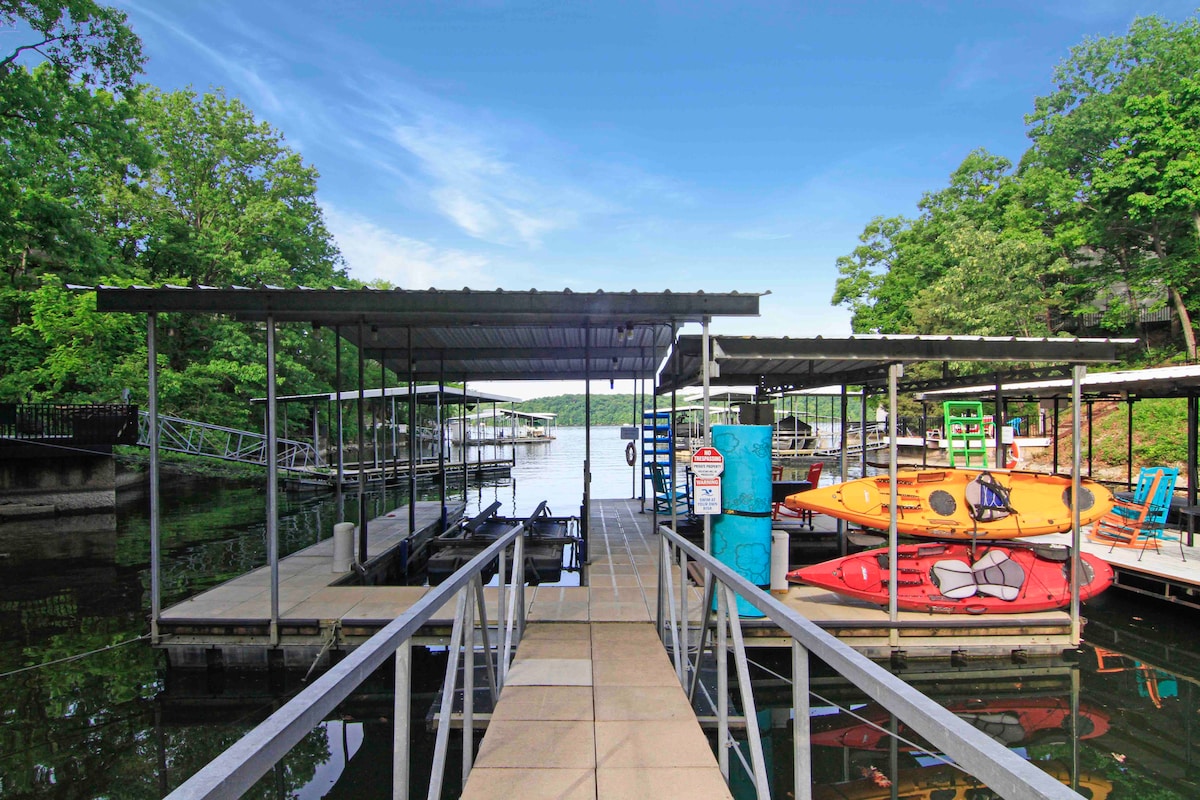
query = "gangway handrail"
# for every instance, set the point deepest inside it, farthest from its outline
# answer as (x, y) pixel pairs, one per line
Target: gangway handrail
(240, 766)
(175, 434)
(999, 768)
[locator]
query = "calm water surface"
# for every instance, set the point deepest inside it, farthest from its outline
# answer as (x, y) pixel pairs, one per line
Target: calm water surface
(116, 724)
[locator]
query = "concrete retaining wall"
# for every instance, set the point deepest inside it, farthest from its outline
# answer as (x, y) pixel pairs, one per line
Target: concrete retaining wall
(80, 484)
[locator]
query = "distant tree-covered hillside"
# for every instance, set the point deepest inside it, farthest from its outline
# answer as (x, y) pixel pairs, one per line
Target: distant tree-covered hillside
(606, 409)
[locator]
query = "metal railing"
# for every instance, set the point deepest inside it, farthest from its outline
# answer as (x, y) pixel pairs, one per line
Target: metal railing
(237, 769)
(228, 444)
(1000, 769)
(67, 424)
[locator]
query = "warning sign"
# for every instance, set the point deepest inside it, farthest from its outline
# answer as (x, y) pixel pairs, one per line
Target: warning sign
(708, 495)
(707, 462)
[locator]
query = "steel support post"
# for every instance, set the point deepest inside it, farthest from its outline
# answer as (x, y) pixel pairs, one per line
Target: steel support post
(341, 445)
(894, 371)
(1078, 371)
(155, 498)
(362, 446)
(272, 482)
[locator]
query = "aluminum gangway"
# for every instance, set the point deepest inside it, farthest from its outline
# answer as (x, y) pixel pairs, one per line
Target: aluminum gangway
(228, 444)
(712, 637)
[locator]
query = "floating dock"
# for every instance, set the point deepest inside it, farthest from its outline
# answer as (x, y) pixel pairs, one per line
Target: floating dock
(323, 615)
(1169, 571)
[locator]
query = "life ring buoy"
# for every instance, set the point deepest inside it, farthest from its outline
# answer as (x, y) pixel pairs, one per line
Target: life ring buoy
(1014, 456)
(630, 454)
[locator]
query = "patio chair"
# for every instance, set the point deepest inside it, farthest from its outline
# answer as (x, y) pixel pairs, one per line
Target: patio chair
(806, 516)
(1140, 521)
(680, 497)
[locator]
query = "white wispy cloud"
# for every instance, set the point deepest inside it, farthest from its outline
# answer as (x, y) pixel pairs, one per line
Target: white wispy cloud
(760, 235)
(474, 178)
(491, 174)
(241, 70)
(979, 63)
(372, 252)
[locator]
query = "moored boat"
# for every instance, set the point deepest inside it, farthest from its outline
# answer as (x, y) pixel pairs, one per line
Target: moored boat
(957, 578)
(960, 503)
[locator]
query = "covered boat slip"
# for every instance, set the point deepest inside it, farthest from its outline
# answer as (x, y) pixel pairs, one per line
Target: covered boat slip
(394, 449)
(876, 363)
(436, 336)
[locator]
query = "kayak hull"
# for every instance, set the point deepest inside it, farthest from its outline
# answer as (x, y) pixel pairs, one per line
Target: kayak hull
(954, 578)
(1012, 721)
(938, 503)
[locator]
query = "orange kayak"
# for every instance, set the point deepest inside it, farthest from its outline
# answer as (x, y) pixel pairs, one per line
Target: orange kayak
(960, 503)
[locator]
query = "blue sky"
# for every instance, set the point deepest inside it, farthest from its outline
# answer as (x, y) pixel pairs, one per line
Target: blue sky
(657, 145)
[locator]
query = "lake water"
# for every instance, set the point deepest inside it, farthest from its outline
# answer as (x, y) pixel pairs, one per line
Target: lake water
(116, 724)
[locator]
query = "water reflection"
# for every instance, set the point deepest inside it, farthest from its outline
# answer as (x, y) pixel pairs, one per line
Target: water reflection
(116, 724)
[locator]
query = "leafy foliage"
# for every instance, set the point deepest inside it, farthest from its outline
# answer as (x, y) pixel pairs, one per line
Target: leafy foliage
(1103, 213)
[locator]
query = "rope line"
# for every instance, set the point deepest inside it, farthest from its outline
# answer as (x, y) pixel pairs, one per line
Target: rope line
(72, 658)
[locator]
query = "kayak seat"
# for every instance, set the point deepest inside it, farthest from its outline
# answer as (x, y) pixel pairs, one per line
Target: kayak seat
(995, 575)
(954, 578)
(998, 575)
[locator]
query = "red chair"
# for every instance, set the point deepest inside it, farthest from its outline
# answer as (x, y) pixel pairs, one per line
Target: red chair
(814, 477)
(779, 510)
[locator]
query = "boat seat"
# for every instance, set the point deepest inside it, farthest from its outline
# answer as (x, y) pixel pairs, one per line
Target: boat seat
(954, 579)
(1003, 726)
(998, 575)
(987, 499)
(995, 575)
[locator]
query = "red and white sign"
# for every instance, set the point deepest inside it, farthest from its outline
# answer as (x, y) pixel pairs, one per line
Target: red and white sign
(707, 462)
(707, 499)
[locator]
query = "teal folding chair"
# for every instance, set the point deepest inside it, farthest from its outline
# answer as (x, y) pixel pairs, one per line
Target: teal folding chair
(1141, 521)
(665, 496)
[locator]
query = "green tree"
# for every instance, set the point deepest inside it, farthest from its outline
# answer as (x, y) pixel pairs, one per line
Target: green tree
(1116, 152)
(226, 201)
(974, 261)
(65, 135)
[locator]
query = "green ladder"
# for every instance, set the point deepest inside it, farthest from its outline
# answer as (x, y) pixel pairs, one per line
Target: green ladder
(964, 432)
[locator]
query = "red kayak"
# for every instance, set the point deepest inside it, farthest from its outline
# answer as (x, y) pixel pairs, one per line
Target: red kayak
(1014, 721)
(954, 578)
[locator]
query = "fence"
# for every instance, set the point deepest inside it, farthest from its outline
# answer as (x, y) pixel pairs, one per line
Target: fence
(67, 425)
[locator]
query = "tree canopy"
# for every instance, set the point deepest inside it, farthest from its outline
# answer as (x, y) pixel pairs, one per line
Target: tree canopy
(1102, 213)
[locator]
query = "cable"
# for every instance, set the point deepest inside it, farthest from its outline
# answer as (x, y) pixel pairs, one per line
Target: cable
(72, 658)
(861, 718)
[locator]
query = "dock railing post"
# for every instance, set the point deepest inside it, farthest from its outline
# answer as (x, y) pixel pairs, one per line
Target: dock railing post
(401, 721)
(449, 688)
(468, 712)
(746, 692)
(489, 663)
(801, 748)
(722, 686)
(684, 632)
(501, 602)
